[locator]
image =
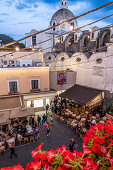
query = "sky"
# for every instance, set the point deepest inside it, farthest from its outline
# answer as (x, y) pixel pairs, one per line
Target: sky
(18, 17)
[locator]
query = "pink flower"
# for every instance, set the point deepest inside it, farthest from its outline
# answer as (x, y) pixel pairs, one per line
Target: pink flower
(86, 150)
(33, 153)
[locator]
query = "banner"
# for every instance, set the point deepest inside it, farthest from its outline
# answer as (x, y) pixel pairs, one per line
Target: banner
(61, 77)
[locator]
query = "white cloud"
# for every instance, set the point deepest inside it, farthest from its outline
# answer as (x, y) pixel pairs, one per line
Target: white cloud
(78, 7)
(18, 22)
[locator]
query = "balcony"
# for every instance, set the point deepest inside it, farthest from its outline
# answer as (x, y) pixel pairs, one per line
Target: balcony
(35, 90)
(12, 92)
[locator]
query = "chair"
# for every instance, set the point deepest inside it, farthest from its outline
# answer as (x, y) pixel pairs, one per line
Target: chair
(19, 140)
(61, 119)
(14, 135)
(31, 138)
(26, 139)
(37, 136)
(2, 149)
(7, 138)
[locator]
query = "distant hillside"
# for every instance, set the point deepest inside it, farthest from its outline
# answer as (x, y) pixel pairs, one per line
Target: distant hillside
(7, 39)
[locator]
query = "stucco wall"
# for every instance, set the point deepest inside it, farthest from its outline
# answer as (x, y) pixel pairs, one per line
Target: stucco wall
(23, 76)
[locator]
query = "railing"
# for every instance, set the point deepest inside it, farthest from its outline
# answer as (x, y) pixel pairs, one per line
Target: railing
(35, 90)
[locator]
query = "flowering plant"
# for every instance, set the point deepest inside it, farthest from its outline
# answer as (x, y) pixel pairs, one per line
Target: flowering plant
(98, 144)
(13, 92)
(35, 90)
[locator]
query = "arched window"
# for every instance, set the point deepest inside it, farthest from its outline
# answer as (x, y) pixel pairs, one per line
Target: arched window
(71, 41)
(62, 3)
(65, 3)
(92, 35)
(53, 26)
(106, 39)
(86, 41)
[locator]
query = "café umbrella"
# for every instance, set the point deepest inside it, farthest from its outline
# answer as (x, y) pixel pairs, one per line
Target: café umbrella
(21, 112)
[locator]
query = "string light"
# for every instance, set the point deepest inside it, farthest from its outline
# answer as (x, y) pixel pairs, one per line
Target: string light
(108, 4)
(17, 48)
(33, 49)
(71, 27)
(58, 41)
(63, 34)
(90, 30)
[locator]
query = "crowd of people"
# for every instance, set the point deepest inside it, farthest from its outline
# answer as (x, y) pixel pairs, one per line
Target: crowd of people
(77, 118)
(22, 130)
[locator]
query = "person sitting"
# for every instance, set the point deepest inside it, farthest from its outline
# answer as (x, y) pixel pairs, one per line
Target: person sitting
(29, 129)
(93, 122)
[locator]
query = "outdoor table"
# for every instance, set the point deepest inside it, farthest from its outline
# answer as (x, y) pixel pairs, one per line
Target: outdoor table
(12, 140)
(2, 133)
(67, 114)
(73, 115)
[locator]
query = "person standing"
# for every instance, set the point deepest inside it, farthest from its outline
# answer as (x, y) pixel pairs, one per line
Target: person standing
(33, 121)
(47, 108)
(48, 129)
(12, 149)
(39, 120)
(51, 119)
(71, 145)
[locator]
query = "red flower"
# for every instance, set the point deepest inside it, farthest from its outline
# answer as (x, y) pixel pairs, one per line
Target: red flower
(33, 166)
(59, 150)
(16, 167)
(109, 121)
(98, 140)
(50, 155)
(110, 129)
(85, 168)
(39, 147)
(64, 147)
(96, 148)
(59, 168)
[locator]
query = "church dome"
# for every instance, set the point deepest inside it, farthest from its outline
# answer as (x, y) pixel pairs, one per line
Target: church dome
(61, 15)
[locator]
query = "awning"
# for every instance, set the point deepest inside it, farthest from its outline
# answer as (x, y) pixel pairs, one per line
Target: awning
(5, 113)
(9, 102)
(81, 94)
(22, 112)
(4, 120)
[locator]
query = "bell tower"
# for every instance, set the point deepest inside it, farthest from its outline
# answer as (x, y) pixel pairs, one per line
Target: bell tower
(64, 4)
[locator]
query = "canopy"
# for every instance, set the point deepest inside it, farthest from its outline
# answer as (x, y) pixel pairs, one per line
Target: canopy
(81, 94)
(4, 120)
(5, 113)
(22, 112)
(9, 102)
